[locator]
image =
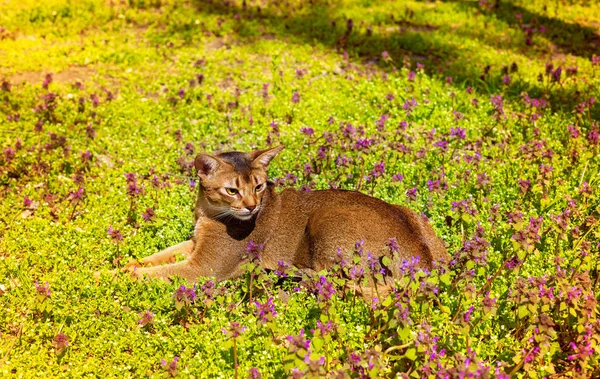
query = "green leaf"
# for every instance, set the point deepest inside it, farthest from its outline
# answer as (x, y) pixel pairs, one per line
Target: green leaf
(523, 311)
(386, 261)
(411, 354)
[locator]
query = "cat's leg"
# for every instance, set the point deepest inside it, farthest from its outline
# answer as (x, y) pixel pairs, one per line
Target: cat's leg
(215, 254)
(183, 269)
(168, 255)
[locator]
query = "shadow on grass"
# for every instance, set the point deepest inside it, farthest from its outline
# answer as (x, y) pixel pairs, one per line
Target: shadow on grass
(402, 37)
(567, 38)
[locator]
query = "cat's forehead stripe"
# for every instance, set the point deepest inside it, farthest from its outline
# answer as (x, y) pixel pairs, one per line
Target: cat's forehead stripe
(239, 162)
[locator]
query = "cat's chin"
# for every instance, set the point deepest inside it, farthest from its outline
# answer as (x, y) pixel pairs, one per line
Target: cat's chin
(245, 217)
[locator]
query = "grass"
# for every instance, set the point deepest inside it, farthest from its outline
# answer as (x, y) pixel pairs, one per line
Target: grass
(126, 96)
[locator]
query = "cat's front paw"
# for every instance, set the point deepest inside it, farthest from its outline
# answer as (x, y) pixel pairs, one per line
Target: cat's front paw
(132, 266)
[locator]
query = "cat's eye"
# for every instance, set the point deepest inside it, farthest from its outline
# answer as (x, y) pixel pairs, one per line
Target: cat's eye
(231, 191)
(259, 187)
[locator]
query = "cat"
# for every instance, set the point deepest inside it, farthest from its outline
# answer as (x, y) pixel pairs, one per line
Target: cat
(236, 204)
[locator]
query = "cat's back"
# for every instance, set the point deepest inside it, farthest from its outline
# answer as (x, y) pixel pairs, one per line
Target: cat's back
(343, 217)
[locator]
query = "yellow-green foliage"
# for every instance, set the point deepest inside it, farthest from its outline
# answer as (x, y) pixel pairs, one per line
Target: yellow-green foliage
(389, 97)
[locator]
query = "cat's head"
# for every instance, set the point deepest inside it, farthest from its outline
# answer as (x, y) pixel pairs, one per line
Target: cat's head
(234, 183)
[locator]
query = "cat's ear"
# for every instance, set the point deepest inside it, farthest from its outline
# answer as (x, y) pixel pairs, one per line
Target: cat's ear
(263, 157)
(206, 165)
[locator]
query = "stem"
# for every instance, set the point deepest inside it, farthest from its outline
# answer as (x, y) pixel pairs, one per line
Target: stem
(486, 285)
(397, 347)
(235, 360)
(458, 309)
(251, 285)
(518, 367)
(13, 345)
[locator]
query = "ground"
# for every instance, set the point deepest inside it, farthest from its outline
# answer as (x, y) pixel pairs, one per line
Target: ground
(479, 115)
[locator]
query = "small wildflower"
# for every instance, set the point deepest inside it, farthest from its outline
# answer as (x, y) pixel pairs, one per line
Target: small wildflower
(114, 234)
(253, 373)
(146, 318)
(307, 131)
(253, 250)
(61, 342)
(184, 296)
(265, 312)
(148, 215)
(42, 290)
(234, 330)
(296, 97)
(170, 367)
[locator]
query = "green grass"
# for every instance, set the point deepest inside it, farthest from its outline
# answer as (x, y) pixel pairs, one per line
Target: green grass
(144, 52)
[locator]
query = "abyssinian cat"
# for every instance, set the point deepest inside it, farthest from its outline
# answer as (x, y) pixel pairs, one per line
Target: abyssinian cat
(236, 204)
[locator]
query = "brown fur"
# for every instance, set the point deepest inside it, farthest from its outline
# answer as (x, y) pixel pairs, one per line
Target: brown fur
(304, 229)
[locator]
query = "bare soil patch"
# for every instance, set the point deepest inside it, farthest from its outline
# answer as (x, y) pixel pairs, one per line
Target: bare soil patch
(70, 75)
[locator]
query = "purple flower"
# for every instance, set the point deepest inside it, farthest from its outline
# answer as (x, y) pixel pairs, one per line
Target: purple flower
(148, 215)
(412, 193)
(390, 97)
(573, 131)
(586, 189)
(44, 290)
(146, 318)
(133, 190)
(282, 269)
(325, 289)
(61, 342)
(253, 250)
(411, 76)
(506, 79)
(397, 178)
(86, 156)
(378, 170)
(468, 313)
(381, 122)
(434, 185)
(47, 81)
(296, 97)
(184, 295)
(546, 170)
(234, 330)
(307, 130)
(363, 143)
(265, 312)
(170, 367)
(443, 145)
(385, 55)
(524, 185)
(9, 154)
(27, 201)
(410, 105)
(296, 343)
(593, 137)
(77, 195)
(498, 104)
(392, 244)
(325, 328)
(556, 75)
(114, 234)
(253, 373)
(95, 100)
(458, 133)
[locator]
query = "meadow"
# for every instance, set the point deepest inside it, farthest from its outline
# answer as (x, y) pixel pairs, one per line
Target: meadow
(480, 115)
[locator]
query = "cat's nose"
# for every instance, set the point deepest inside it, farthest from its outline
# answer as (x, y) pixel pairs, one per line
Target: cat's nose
(250, 207)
